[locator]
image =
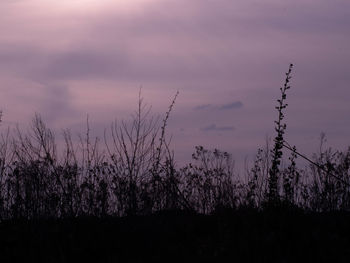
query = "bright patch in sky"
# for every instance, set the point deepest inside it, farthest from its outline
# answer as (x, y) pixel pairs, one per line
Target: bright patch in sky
(122, 5)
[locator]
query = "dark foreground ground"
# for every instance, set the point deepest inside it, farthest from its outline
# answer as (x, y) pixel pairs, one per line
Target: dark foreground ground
(243, 236)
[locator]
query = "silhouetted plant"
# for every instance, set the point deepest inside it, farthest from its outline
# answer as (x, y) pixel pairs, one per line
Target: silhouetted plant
(136, 173)
(291, 181)
(273, 193)
(330, 183)
(209, 183)
(257, 177)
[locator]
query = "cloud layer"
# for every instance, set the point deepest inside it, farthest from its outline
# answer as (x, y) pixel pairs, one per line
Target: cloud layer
(70, 58)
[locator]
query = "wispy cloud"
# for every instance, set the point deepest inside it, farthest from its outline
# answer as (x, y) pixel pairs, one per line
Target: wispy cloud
(213, 127)
(203, 107)
(228, 106)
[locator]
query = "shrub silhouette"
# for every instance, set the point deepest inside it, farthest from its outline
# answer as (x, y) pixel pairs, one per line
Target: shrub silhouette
(274, 174)
(134, 173)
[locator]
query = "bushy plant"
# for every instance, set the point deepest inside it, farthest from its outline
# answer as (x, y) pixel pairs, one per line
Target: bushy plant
(135, 173)
(274, 174)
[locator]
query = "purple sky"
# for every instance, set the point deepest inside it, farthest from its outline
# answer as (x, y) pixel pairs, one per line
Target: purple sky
(69, 58)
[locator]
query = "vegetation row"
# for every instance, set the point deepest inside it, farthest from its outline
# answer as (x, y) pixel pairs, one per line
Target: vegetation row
(133, 172)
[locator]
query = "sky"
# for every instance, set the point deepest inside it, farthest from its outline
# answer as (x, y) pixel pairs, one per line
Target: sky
(227, 58)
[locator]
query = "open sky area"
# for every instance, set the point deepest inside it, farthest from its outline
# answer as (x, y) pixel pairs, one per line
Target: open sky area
(227, 58)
